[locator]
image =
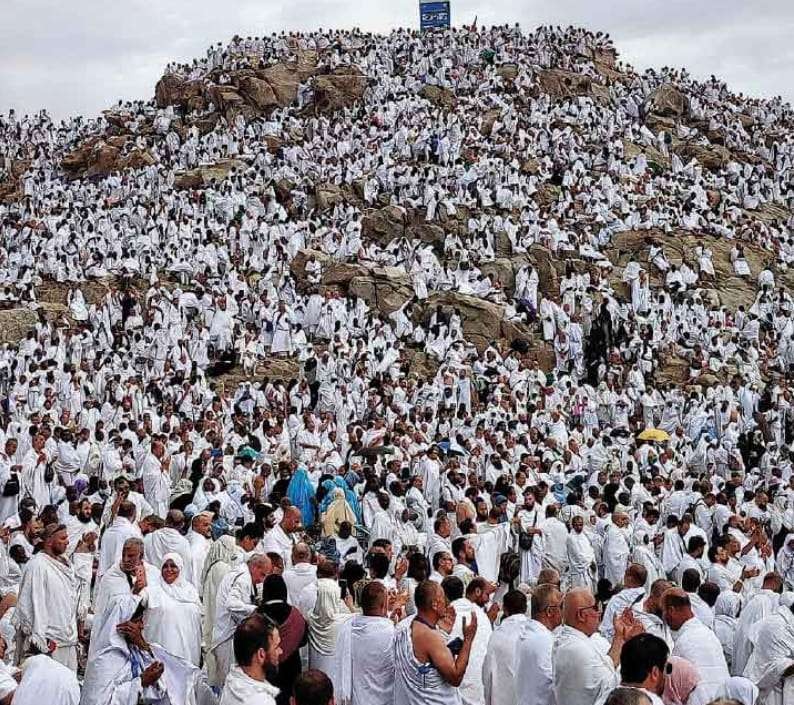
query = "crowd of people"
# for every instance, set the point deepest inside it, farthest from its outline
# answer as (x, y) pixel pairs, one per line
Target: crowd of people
(488, 533)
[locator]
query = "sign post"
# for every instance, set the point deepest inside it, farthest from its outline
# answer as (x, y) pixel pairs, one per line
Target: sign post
(434, 15)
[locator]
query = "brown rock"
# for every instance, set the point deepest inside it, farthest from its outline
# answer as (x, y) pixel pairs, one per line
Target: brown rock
(203, 175)
(298, 264)
(428, 233)
(176, 90)
(284, 81)
(226, 99)
(338, 91)
(328, 195)
(667, 102)
(420, 364)
(488, 120)
(387, 288)
(258, 92)
(438, 96)
(508, 72)
(561, 84)
(530, 166)
(713, 157)
(500, 271)
(385, 224)
(548, 279)
(482, 320)
(16, 323)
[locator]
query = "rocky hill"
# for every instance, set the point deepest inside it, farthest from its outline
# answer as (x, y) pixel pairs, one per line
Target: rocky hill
(599, 164)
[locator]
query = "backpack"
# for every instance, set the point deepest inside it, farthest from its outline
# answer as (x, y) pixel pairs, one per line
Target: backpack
(509, 567)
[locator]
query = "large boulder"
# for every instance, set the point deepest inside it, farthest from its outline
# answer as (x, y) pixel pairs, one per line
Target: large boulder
(429, 234)
(174, 89)
(386, 288)
(337, 91)
(99, 157)
(328, 195)
(258, 92)
(11, 183)
(489, 117)
(482, 320)
(385, 224)
(711, 156)
(507, 72)
(284, 80)
(501, 272)
(227, 100)
(438, 96)
(204, 175)
(383, 288)
(561, 84)
(667, 102)
(16, 323)
(298, 264)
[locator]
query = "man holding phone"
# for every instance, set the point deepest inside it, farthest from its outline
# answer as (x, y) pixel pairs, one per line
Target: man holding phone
(436, 677)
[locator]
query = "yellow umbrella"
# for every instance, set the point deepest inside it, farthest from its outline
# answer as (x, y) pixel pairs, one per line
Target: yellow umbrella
(654, 434)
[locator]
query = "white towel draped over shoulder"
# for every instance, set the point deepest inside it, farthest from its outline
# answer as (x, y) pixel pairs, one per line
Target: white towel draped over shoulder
(365, 661)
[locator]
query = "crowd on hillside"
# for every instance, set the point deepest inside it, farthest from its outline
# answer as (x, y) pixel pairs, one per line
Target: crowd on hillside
(501, 530)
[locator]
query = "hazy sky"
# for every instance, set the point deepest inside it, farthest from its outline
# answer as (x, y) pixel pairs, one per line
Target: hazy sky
(81, 56)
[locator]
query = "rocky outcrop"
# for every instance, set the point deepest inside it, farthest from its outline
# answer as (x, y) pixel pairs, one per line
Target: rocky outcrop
(562, 85)
(298, 264)
(100, 157)
(384, 288)
(175, 89)
(440, 97)
(339, 90)
(667, 102)
(711, 156)
(11, 183)
(16, 323)
(679, 246)
(248, 91)
(204, 175)
(385, 224)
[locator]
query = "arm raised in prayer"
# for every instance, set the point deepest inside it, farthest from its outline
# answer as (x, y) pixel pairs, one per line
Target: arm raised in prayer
(431, 644)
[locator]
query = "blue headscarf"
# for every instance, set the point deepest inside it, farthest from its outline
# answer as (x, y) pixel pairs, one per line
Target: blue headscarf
(301, 493)
(328, 486)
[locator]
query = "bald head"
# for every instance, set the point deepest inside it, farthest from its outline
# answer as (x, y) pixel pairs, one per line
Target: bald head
(549, 576)
(636, 575)
(580, 611)
(174, 519)
(291, 522)
(301, 553)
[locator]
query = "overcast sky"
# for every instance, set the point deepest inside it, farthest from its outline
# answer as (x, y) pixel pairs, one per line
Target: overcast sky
(81, 56)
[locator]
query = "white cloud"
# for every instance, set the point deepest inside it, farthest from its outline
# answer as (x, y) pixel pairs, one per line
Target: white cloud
(80, 57)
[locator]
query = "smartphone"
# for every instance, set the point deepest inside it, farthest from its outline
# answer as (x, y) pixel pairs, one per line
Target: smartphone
(343, 587)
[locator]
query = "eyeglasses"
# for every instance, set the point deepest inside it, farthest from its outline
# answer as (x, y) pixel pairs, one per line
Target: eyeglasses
(595, 607)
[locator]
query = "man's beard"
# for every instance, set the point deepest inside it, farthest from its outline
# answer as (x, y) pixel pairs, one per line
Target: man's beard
(84, 519)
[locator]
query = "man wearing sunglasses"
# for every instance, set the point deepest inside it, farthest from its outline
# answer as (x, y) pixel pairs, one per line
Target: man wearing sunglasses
(583, 674)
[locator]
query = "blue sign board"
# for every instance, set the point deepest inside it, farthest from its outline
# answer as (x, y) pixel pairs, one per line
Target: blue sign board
(434, 15)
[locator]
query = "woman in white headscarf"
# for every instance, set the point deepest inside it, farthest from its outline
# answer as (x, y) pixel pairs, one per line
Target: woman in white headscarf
(329, 613)
(221, 556)
(173, 615)
(123, 668)
(726, 613)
